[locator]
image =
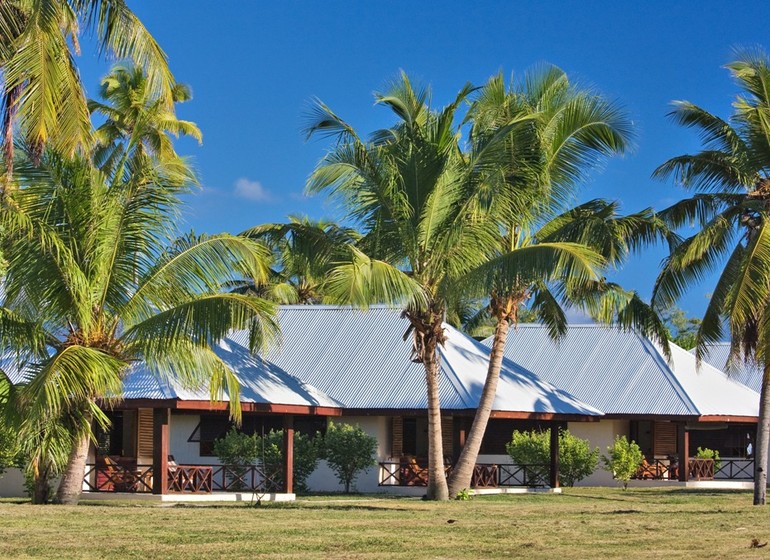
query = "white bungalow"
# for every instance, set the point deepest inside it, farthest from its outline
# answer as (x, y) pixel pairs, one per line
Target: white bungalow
(340, 362)
(670, 408)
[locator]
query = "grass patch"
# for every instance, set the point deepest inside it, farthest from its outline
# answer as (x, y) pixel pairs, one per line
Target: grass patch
(581, 522)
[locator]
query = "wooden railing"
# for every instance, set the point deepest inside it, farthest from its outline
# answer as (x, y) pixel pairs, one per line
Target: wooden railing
(187, 479)
(118, 478)
(658, 469)
(698, 469)
(701, 469)
(251, 478)
(531, 476)
(485, 475)
(193, 479)
(734, 469)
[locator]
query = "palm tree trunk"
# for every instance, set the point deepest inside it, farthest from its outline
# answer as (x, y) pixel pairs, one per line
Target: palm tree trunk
(71, 484)
(462, 473)
(437, 485)
(763, 440)
(41, 485)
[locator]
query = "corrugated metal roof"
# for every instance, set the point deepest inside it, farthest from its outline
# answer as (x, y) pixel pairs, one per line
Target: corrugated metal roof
(261, 382)
(749, 374)
(621, 372)
(360, 359)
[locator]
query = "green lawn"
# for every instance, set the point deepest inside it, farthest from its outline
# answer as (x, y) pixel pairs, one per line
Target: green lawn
(580, 523)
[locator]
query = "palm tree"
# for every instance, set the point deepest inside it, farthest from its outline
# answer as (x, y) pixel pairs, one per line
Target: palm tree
(421, 204)
(93, 285)
(565, 132)
(138, 121)
(306, 252)
(731, 179)
(41, 90)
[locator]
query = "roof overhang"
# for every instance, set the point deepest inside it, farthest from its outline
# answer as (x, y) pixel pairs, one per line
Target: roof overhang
(217, 406)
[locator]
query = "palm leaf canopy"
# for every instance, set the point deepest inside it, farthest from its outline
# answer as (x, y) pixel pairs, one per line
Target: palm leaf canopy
(305, 251)
(410, 188)
(41, 84)
(731, 180)
(95, 282)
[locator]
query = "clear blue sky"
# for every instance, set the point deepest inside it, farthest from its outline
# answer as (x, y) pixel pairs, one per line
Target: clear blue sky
(254, 66)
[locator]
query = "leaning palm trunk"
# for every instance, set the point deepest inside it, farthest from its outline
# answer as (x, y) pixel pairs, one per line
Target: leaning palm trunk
(41, 488)
(763, 440)
(71, 484)
(463, 472)
(437, 484)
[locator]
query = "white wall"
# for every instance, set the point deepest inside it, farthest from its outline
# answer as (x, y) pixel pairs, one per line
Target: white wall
(600, 434)
(324, 479)
(181, 426)
(12, 484)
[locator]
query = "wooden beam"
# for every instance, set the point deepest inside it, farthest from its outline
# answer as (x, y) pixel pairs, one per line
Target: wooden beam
(288, 454)
(209, 406)
(554, 471)
(683, 445)
(160, 450)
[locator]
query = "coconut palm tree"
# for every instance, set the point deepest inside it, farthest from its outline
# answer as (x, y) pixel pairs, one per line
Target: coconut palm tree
(595, 226)
(731, 207)
(41, 90)
(139, 122)
(94, 284)
(305, 251)
(568, 132)
(421, 203)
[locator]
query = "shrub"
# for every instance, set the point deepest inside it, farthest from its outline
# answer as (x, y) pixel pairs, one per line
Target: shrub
(306, 453)
(238, 451)
(576, 458)
(9, 448)
(625, 458)
(348, 450)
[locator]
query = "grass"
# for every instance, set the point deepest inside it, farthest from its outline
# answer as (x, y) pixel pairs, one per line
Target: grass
(580, 523)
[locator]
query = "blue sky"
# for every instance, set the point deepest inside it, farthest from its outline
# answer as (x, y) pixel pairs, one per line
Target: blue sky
(254, 67)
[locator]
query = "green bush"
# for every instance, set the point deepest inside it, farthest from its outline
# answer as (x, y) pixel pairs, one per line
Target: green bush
(625, 458)
(238, 451)
(10, 455)
(576, 458)
(348, 450)
(306, 453)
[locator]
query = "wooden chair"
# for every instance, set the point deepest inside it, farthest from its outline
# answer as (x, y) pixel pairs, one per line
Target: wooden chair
(122, 480)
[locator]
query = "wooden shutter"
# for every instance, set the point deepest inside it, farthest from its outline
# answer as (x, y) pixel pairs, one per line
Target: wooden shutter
(144, 439)
(447, 436)
(664, 439)
(397, 441)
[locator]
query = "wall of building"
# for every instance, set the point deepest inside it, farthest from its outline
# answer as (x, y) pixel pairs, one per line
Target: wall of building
(12, 484)
(181, 427)
(324, 479)
(600, 434)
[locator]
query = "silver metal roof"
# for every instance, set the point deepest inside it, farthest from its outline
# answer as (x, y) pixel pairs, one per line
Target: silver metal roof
(750, 374)
(621, 372)
(261, 382)
(360, 359)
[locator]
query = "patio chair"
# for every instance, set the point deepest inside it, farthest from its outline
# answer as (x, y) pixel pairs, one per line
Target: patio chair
(122, 480)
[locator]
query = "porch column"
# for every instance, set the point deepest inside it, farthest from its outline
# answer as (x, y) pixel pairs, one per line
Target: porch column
(554, 471)
(683, 445)
(288, 454)
(160, 448)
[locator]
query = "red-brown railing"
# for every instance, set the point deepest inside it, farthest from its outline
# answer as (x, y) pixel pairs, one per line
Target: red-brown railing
(185, 479)
(485, 475)
(658, 469)
(118, 478)
(193, 479)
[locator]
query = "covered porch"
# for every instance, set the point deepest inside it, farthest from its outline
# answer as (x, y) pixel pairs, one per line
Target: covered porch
(140, 455)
